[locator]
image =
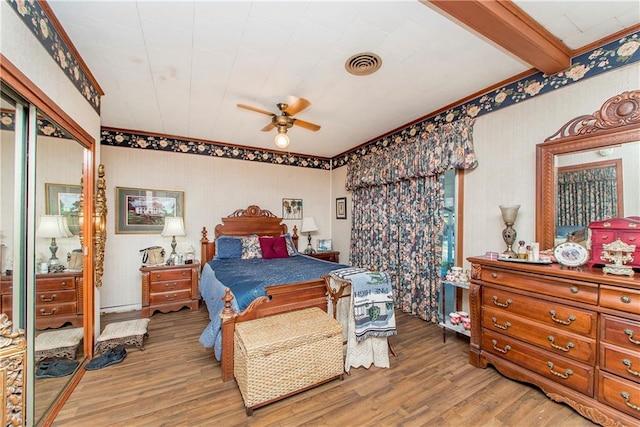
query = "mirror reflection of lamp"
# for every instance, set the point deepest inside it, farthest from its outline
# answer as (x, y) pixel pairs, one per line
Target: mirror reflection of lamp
(53, 227)
(309, 225)
(173, 226)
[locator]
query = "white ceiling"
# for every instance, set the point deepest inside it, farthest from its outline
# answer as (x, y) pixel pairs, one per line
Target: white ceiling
(180, 67)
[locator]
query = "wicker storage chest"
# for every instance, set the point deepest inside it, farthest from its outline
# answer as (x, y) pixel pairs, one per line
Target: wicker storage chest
(277, 356)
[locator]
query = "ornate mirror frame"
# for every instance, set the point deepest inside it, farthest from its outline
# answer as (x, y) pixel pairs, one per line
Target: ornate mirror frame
(617, 122)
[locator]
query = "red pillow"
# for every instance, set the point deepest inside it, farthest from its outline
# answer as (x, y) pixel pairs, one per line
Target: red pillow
(273, 247)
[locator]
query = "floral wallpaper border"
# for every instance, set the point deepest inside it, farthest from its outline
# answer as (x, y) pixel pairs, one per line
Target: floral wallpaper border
(45, 127)
(120, 138)
(611, 56)
(36, 19)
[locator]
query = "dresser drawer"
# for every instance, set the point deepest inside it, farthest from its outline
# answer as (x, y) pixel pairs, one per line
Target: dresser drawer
(619, 393)
(620, 361)
(563, 371)
(55, 283)
(53, 310)
(167, 275)
(630, 237)
(561, 288)
(598, 237)
(554, 314)
(169, 297)
(620, 298)
(548, 338)
(172, 285)
(43, 298)
(622, 332)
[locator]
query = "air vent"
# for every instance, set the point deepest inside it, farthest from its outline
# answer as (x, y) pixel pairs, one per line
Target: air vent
(363, 64)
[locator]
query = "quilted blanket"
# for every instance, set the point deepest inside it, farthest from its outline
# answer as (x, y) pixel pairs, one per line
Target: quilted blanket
(372, 301)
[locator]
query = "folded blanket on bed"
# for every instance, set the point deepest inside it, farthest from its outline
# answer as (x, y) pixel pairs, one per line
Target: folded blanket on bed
(372, 301)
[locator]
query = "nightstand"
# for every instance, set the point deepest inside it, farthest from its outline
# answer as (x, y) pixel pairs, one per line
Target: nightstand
(333, 256)
(169, 288)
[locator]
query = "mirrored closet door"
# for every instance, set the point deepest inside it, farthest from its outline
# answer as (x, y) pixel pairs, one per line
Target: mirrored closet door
(46, 257)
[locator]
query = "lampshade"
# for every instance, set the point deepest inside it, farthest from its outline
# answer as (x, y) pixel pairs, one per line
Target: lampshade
(53, 226)
(509, 213)
(308, 224)
(282, 140)
(173, 226)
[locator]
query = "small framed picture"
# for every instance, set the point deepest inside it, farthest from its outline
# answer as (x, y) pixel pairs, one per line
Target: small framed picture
(64, 199)
(324, 245)
(341, 208)
(291, 208)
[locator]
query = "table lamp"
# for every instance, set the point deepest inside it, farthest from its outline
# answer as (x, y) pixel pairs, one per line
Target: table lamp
(309, 225)
(509, 214)
(53, 227)
(173, 226)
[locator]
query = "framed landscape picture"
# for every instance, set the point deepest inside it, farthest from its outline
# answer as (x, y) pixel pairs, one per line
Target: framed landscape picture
(64, 199)
(142, 211)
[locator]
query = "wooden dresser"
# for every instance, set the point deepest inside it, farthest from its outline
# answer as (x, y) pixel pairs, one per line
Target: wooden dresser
(58, 299)
(610, 230)
(169, 288)
(576, 335)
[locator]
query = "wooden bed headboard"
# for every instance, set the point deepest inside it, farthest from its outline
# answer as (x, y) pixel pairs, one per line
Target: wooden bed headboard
(244, 222)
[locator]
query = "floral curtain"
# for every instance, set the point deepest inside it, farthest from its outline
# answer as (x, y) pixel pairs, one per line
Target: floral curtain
(587, 195)
(398, 202)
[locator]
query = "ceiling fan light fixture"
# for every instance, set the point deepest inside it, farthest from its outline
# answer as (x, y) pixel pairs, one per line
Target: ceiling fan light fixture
(282, 140)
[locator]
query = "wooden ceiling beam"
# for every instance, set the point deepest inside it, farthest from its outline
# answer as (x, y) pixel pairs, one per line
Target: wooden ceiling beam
(510, 27)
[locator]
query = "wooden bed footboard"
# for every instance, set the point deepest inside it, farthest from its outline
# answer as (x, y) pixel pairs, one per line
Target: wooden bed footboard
(280, 299)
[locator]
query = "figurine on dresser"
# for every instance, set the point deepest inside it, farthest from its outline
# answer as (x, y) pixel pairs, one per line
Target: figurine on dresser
(619, 253)
(607, 232)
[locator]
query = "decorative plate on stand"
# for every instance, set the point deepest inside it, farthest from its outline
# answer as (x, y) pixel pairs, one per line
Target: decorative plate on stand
(571, 254)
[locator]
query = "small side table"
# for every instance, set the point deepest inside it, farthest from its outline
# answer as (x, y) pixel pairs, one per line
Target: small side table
(168, 288)
(333, 256)
(445, 323)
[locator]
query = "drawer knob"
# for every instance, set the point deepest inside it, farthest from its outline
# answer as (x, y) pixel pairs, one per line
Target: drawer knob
(627, 363)
(157, 275)
(505, 304)
(625, 299)
(632, 239)
(626, 398)
(574, 289)
(569, 346)
(570, 319)
(48, 313)
(170, 285)
(63, 283)
(567, 372)
(494, 275)
(45, 299)
(171, 297)
(501, 350)
(503, 327)
(604, 237)
(629, 334)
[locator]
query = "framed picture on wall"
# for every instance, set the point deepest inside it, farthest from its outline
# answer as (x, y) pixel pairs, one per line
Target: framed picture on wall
(142, 211)
(341, 208)
(64, 199)
(291, 208)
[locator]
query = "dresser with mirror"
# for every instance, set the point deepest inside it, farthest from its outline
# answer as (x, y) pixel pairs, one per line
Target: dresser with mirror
(572, 332)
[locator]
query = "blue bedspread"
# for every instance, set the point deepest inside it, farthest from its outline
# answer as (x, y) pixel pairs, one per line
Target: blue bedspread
(247, 279)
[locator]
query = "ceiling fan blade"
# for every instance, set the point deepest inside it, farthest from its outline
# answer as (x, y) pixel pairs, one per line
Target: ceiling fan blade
(297, 106)
(306, 125)
(257, 110)
(268, 127)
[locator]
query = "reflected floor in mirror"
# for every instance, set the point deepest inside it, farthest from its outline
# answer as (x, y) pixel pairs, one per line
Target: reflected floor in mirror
(175, 381)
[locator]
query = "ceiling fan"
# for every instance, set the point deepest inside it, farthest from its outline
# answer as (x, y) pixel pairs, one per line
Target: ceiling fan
(285, 119)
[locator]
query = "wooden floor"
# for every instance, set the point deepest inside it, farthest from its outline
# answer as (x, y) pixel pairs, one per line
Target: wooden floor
(176, 382)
